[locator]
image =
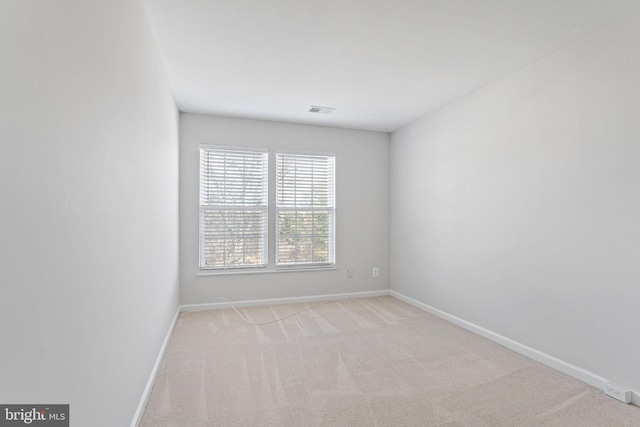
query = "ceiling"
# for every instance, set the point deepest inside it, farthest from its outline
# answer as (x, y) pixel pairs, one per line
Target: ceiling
(379, 63)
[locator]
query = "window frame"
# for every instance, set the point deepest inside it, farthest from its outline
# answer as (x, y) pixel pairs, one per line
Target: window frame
(330, 210)
(271, 264)
(264, 209)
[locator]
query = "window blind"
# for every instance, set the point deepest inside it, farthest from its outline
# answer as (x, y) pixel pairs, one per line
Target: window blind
(305, 209)
(233, 208)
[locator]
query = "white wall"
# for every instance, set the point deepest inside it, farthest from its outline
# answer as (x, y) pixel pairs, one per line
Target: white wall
(89, 197)
(517, 207)
(362, 209)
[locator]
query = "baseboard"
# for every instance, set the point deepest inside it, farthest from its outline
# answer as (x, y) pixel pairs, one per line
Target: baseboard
(278, 301)
(550, 361)
(137, 417)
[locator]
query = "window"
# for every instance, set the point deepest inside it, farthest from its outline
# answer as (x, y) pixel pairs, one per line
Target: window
(233, 208)
(235, 199)
(305, 210)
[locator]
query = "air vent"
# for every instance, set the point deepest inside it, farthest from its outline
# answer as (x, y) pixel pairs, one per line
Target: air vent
(321, 110)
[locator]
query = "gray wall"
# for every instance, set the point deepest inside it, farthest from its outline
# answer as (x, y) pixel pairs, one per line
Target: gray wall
(89, 185)
(362, 209)
(517, 207)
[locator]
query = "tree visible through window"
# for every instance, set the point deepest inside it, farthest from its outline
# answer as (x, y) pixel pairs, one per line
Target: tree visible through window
(233, 208)
(305, 209)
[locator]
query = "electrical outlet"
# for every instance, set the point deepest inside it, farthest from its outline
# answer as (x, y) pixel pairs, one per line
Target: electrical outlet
(376, 272)
(617, 392)
(349, 273)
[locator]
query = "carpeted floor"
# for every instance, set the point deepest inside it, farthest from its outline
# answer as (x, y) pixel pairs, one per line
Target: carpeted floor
(360, 362)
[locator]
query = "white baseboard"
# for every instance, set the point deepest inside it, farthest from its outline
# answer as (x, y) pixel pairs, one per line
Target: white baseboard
(137, 417)
(550, 361)
(277, 301)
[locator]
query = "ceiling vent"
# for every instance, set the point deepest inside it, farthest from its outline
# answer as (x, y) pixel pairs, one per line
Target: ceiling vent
(321, 110)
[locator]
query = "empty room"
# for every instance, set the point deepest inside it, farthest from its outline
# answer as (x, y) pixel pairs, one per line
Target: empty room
(319, 213)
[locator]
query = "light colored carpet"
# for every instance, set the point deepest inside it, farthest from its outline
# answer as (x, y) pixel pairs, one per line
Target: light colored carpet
(360, 362)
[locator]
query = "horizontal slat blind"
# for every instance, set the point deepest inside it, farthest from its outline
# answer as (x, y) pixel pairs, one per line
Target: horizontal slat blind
(233, 208)
(305, 209)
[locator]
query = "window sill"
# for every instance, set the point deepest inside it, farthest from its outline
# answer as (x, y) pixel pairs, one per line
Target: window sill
(263, 271)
